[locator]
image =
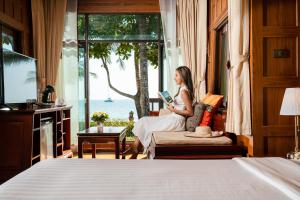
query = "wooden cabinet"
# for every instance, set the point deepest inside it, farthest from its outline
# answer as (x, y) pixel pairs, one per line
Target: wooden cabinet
(20, 132)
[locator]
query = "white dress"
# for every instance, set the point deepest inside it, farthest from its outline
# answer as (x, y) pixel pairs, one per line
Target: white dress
(145, 126)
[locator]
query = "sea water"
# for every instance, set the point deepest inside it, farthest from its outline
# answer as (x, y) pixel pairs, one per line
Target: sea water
(118, 109)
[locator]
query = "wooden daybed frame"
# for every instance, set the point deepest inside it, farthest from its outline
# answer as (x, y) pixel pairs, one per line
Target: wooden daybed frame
(180, 151)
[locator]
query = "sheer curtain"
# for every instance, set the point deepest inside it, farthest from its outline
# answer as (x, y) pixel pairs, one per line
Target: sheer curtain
(238, 112)
(192, 17)
(172, 51)
(67, 77)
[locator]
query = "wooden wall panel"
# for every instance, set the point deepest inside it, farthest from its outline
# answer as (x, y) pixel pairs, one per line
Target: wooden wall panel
(273, 26)
(118, 6)
(217, 15)
(280, 13)
(274, 146)
(272, 99)
(280, 66)
(16, 14)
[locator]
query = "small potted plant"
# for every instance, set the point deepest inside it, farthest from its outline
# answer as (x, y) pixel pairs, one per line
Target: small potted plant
(99, 118)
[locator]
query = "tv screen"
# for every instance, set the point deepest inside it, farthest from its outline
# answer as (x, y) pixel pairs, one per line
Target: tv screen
(20, 78)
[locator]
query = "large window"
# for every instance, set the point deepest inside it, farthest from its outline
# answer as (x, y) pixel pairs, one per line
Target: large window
(118, 55)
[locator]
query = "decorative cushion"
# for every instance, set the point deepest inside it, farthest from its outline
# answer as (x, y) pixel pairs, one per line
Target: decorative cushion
(218, 122)
(207, 116)
(193, 122)
(213, 100)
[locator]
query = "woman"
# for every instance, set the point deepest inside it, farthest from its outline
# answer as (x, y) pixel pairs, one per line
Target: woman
(175, 121)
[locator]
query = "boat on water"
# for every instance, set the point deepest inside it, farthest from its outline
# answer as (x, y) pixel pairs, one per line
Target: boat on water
(108, 100)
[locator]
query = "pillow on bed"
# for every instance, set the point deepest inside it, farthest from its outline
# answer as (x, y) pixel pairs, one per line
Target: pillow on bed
(193, 122)
(207, 116)
(213, 102)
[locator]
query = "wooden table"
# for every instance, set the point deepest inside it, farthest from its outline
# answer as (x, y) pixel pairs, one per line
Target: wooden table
(109, 134)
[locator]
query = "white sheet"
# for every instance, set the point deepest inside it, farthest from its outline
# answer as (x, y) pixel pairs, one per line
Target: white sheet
(281, 173)
(138, 180)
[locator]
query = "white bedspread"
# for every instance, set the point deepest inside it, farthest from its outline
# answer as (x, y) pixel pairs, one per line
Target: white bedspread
(281, 173)
(139, 180)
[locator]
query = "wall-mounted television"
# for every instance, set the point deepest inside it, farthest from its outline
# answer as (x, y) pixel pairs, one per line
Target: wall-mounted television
(19, 78)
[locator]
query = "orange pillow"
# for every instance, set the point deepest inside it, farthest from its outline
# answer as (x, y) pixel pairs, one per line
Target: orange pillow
(213, 101)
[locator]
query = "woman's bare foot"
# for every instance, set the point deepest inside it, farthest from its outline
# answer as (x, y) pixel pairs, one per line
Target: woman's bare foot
(134, 149)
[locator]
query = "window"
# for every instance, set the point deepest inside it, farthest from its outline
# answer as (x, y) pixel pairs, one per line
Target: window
(113, 52)
(9, 39)
(222, 57)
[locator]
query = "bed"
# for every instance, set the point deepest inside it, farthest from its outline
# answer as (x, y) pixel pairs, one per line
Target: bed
(239, 178)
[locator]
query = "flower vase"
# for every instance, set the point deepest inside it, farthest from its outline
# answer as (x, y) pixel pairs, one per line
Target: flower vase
(100, 127)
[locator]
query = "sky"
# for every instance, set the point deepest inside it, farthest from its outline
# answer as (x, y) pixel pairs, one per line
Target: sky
(123, 80)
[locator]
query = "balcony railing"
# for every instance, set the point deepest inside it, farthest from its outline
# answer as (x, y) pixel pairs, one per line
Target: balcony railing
(155, 104)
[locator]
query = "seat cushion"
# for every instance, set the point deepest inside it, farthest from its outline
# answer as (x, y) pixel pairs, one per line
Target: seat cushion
(178, 138)
(193, 121)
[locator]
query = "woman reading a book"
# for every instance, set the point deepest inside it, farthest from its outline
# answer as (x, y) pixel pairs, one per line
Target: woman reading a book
(180, 108)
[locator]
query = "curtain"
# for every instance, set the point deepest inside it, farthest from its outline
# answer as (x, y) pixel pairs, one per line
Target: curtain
(238, 111)
(39, 44)
(192, 16)
(54, 25)
(67, 83)
(48, 25)
(172, 51)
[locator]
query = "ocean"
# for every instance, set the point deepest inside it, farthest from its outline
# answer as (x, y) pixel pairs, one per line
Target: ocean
(118, 109)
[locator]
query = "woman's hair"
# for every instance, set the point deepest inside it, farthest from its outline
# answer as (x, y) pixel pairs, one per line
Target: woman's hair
(186, 76)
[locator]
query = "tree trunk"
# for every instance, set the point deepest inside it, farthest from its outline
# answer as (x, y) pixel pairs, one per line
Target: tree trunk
(138, 85)
(144, 98)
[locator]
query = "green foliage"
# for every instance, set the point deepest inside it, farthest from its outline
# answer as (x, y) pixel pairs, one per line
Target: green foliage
(118, 122)
(120, 27)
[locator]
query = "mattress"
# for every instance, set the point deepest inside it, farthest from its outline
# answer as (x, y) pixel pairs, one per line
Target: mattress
(244, 179)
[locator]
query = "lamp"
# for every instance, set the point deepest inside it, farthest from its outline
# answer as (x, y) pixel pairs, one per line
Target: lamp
(291, 107)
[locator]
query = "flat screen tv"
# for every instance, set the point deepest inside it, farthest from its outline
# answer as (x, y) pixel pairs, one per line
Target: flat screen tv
(19, 78)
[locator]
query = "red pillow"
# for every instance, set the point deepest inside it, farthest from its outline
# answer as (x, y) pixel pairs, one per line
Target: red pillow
(218, 122)
(207, 116)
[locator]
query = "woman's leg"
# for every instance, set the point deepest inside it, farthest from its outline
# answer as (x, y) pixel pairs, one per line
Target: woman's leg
(136, 147)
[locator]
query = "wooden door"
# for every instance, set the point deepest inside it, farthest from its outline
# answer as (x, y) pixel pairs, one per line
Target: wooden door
(274, 67)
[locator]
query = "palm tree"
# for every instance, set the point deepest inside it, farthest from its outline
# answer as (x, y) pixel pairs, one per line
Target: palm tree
(143, 52)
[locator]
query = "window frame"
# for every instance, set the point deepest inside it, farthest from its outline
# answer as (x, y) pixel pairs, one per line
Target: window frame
(84, 43)
(218, 59)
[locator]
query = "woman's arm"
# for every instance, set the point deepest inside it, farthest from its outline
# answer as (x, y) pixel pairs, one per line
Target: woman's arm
(188, 111)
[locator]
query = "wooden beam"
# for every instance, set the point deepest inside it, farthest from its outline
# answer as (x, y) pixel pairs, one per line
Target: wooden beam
(118, 6)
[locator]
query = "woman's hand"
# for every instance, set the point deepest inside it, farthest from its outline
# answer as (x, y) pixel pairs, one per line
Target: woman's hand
(171, 108)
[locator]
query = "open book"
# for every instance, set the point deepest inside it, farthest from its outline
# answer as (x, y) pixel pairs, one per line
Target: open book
(166, 97)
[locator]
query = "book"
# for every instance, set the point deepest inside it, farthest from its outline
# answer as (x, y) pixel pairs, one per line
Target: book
(166, 97)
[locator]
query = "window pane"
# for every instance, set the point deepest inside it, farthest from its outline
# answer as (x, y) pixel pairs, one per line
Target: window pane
(81, 27)
(122, 62)
(81, 92)
(8, 42)
(123, 27)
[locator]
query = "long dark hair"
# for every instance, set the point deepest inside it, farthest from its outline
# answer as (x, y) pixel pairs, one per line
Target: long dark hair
(186, 76)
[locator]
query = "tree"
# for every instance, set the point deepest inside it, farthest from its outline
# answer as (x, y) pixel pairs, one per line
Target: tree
(122, 27)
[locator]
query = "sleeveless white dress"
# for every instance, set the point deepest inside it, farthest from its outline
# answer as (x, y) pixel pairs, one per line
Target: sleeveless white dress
(145, 126)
